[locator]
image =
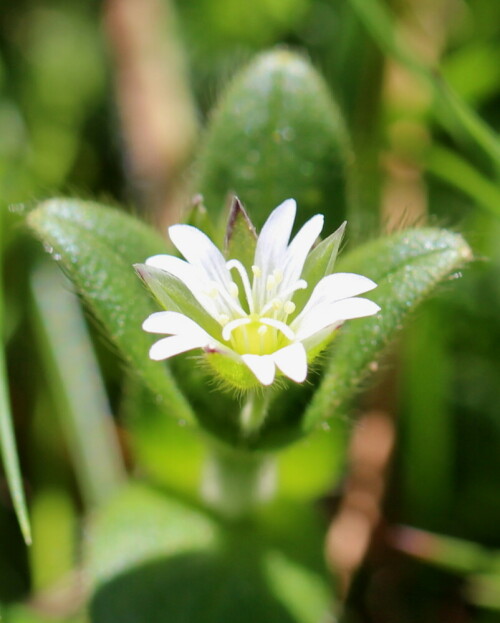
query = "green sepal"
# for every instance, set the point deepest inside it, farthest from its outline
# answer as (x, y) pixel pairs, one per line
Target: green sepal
(241, 237)
(174, 295)
(319, 263)
(232, 373)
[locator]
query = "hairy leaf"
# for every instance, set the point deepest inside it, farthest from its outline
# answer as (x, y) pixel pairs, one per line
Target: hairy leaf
(97, 247)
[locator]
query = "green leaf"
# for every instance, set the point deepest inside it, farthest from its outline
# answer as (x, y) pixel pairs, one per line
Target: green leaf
(8, 441)
(152, 558)
(276, 134)
(97, 247)
(9, 456)
(407, 267)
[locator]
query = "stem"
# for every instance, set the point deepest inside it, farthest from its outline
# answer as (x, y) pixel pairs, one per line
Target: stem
(235, 482)
(254, 412)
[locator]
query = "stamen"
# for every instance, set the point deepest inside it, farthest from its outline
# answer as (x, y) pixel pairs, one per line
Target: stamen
(223, 319)
(231, 326)
(233, 290)
(278, 276)
(270, 283)
(262, 330)
(277, 304)
(244, 278)
(289, 307)
(256, 271)
(281, 326)
(213, 292)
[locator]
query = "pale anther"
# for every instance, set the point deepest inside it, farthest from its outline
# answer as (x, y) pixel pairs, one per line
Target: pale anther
(270, 283)
(289, 307)
(213, 292)
(256, 271)
(223, 319)
(233, 290)
(277, 304)
(278, 276)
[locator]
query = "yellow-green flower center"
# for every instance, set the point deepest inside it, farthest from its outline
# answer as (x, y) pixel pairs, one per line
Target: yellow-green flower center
(256, 338)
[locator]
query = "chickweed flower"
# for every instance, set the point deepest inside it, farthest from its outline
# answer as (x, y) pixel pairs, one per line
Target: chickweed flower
(266, 311)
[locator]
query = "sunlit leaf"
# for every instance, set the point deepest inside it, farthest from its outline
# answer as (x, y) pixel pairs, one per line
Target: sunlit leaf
(407, 267)
(277, 133)
(97, 247)
(152, 558)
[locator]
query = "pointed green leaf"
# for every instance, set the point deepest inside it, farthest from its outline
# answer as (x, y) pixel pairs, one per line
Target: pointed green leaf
(407, 267)
(153, 558)
(9, 457)
(97, 247)
(319, 263)
(174, 295)
(276, 134)
(241, 237)
(8, 450)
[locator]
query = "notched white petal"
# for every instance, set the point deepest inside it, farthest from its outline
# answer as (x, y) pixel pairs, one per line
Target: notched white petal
(173, 323)
(299, 248)
(262, 366)
(292, 361)
(332, 315)
(274, 236)
(200, 252)
(174, 345)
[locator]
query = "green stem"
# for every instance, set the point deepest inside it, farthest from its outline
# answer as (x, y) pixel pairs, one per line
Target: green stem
(254, 412)
(234, 482)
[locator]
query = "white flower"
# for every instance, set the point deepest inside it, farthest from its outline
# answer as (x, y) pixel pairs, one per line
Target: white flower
(258, 324)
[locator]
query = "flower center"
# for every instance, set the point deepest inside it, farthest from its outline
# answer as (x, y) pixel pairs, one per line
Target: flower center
(256, 338)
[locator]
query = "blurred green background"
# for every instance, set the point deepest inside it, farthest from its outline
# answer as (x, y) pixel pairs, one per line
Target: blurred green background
(107, 101)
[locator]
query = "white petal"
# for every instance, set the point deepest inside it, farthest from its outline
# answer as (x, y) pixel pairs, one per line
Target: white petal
(177, 267)
(292, 361)
(299, 248)
(174, 323)
(332, 315)
(336, 287)
(194, 279)
(274, 236)
(262, 366)
(174, 345)
(201, 252)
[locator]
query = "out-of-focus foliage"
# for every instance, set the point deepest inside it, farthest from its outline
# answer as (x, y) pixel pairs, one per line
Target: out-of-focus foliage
(424, 152)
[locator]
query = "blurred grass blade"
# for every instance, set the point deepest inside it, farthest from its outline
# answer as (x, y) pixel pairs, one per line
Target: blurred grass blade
(406, 267)
(450, 167)
(8, 442)
(97, 247)
(450, 107)
(78, 389)
(9, 456)
(443, 551)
